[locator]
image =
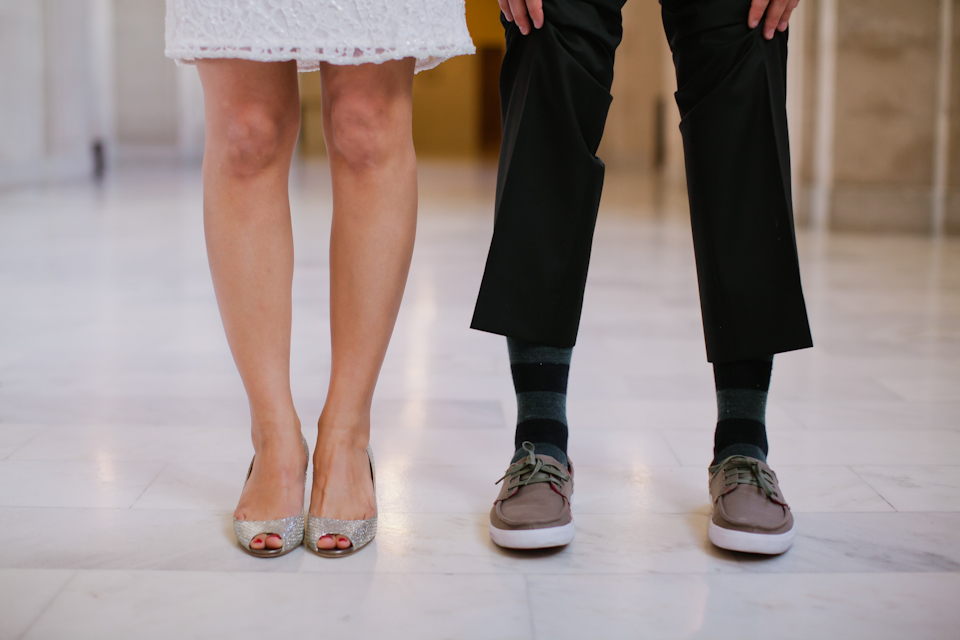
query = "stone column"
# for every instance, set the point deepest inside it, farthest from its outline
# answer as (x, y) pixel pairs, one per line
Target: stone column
(952, 222)
(887, 54)
(882, 152)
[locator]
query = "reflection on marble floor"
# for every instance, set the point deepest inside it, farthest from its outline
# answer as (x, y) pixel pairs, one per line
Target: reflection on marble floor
(123, 436)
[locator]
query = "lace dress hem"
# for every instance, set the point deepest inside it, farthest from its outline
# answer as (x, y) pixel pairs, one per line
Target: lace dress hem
(309, 58)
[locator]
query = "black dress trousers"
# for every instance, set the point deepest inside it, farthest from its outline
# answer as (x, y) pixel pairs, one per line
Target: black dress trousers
(732, 98)
(554, 96)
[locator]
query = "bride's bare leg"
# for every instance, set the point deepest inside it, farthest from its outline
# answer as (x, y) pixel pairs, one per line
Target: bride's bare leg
(367, 113)
(253, 118)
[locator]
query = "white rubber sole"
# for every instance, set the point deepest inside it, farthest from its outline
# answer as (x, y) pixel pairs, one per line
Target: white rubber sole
(533, 538)
(765, 543)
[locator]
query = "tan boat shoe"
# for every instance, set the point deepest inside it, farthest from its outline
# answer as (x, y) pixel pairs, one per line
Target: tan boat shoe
(533, 508)
(749, 512)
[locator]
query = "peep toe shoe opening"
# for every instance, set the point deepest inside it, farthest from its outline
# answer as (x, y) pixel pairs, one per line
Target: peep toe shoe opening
(358, 532)
(289, 530)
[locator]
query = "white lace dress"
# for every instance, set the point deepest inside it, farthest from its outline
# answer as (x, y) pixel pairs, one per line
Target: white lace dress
(314, 31)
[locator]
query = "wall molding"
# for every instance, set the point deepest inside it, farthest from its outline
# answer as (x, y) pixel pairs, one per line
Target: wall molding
(941, 144)
(823, 149)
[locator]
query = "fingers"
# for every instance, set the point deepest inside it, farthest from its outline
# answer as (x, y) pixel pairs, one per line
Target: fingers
(505, 7)
(778, 15)
(785, 18)
(520, 17)
(522, 12)
(774, 12)
(757, 7)
(535, 7)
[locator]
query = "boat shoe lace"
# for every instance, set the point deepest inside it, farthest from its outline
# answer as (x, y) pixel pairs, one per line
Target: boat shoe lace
(533, 470)
(738, 470)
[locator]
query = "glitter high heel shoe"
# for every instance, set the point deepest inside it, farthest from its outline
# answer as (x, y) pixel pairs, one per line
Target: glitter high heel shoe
(358, 532)
(289, 529)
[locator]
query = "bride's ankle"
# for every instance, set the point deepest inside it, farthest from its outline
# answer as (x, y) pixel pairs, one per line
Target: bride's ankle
(353, 434)
(341, 442)
(267, 436)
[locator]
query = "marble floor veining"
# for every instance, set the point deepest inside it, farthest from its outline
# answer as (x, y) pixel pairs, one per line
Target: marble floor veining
(124, 435)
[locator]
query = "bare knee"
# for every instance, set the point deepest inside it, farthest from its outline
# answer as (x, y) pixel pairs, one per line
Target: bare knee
(366, 131)
(255, 137)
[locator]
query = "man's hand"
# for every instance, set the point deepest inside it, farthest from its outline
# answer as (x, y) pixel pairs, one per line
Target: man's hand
(778, 15)
(524, 11)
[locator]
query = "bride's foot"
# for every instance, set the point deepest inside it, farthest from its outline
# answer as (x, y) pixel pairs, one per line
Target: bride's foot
(342, 485)
(275, 487)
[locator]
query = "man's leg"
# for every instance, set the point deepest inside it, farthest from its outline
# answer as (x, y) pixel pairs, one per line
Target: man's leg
(555, 92)
(732, 98)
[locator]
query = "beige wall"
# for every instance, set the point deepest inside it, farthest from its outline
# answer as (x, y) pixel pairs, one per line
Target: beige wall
(447, 100)
(887, 53)
(446, 110)
(953, 166)
(884, 116)
(629, 137)
(311, 116)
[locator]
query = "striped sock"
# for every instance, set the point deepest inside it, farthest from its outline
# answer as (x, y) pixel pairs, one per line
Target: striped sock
(540, 380)
(741, 408)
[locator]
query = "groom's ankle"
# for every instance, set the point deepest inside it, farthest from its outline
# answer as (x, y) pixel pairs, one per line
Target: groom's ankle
(544, 449)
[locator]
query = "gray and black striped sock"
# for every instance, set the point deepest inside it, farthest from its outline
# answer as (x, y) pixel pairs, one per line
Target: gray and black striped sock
(741, 408)
(540, 380)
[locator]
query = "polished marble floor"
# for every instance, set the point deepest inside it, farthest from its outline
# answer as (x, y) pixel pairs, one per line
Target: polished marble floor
(124, 438)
